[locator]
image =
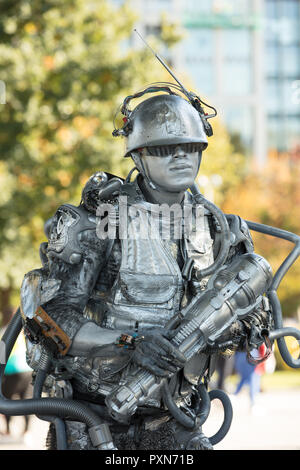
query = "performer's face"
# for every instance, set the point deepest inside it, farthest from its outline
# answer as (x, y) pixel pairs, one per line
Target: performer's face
(174, 172)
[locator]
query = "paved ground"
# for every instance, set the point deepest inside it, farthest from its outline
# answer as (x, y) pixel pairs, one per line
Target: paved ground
(273, 424)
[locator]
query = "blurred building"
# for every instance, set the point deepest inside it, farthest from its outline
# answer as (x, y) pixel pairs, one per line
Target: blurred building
(243, 56)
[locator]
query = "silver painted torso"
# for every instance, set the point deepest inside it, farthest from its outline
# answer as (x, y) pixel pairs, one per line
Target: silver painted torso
(148, 288)
(139, 285)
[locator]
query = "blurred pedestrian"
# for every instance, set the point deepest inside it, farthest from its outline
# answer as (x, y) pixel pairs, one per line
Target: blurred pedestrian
(250, 375)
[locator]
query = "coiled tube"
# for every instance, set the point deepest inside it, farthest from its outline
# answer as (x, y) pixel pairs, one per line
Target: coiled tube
(228, 414)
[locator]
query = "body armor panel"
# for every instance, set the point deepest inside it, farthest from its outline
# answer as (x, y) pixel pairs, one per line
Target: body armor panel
(149, 286)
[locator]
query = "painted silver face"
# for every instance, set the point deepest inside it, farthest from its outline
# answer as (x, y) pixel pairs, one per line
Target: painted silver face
(174, 172)
(165, 120)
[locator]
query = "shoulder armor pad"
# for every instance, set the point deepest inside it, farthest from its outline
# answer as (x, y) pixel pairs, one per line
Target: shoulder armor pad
(66, 225)
(240, 232)
(101, 186)
(37, 289)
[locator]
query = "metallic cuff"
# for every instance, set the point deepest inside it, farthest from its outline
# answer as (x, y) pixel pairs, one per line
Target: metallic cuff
(91, 335)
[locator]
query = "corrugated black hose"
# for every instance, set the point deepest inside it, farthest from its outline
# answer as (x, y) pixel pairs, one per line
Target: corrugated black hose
(190, 423)
(60, 428)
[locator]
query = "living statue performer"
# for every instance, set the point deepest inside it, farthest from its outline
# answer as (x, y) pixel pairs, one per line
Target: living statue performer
(107, 309)
(143, 284)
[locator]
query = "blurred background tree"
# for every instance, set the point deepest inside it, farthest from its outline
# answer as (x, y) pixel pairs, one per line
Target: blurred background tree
(67, 66)
(272, 196)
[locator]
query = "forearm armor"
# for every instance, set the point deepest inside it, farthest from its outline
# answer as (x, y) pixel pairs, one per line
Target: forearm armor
(63, 287)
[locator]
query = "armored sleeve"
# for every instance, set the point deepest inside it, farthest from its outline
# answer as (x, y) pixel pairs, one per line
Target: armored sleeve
(261, 318)
(62, 288)
(247, 331)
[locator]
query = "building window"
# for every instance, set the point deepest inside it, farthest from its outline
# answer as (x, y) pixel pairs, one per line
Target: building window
(236, 44)
(283, 132)
(195, 7)
(237, 66)
(199, 59)
(275, 134)
(237, 78)
(291, 61)
(272, 63)
(198, 45)
(239, 122)
(290, 104)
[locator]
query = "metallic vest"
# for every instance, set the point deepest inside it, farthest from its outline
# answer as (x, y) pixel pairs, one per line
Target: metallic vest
(149, 288)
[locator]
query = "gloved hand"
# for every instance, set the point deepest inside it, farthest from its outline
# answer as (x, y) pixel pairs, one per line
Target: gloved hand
(155, 353)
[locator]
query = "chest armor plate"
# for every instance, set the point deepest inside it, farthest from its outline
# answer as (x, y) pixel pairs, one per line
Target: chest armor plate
(149, 287)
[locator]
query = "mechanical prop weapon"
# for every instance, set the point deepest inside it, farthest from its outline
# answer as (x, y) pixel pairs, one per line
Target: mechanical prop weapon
(232, 293)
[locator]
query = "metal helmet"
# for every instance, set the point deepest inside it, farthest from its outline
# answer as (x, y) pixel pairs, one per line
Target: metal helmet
(164, 120)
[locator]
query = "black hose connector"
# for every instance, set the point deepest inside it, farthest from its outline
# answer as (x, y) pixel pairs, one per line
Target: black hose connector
(204, 409)
(186, 421)
(201, 414)
(191, 423)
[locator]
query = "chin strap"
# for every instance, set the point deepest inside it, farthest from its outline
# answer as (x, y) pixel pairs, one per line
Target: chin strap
(141, 168)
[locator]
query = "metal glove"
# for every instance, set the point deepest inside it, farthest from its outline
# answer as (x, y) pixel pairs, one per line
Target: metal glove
(155, 353)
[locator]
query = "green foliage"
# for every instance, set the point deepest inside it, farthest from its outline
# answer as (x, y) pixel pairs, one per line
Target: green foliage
(67, 66)
(222, 164)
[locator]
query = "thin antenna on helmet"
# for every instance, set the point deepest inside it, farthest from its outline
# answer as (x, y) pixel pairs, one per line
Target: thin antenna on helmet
(189, 96)
(193, 99)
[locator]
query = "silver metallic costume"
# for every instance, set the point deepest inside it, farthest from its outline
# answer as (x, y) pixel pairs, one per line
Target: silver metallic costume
(92, 291)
